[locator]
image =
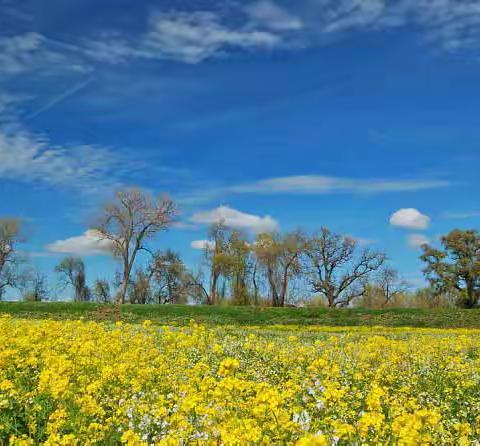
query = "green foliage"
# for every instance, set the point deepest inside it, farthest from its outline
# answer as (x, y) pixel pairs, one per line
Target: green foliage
(228, 315)
(455, 269)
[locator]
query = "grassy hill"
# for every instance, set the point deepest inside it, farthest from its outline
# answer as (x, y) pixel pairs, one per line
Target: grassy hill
(182, 314)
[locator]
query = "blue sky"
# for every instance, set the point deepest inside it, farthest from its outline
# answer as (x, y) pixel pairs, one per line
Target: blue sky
(272, 114)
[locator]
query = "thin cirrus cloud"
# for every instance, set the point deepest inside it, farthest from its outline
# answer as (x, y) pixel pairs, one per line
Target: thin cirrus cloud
(236, 219)
(32, 158)
(461, 215)
(186, 37)
(87, 244)
(197, 35)
(273, 16)
(318, 184)
(410, 218)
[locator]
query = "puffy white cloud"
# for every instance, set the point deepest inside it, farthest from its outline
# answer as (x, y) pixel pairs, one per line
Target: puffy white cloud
(203, 244)
(320, 184)
(235, 219)
(89, 243)
(417, 240)
(410, 218)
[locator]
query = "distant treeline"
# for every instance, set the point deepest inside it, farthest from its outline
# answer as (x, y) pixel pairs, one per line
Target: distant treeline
(274, 269)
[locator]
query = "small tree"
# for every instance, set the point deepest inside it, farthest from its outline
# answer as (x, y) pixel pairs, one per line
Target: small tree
(140, 291)
(337, 270)
(128, 222)
(32, 285)
(455, 267)
(10, 237)
(101, 291)
(390, 285)
(72, 272)
(170, 277)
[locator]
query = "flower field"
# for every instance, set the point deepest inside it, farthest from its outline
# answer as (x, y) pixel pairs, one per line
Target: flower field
(84, 383)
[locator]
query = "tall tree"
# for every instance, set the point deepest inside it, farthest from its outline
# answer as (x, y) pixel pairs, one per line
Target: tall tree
(279, 256)
(455, 267)
(215, 251)
(128, 222)
(10, 237)
(338, 270)
(238, 267)
(72, 272)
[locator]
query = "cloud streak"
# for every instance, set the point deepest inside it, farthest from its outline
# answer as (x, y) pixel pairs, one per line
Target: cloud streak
(319, 184)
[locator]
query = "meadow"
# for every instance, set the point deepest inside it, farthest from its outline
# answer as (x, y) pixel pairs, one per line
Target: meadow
(72, 380)
(246, 315)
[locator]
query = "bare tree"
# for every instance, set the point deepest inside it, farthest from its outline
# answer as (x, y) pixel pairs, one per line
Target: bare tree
(280, 258)
(72, 271)
(101, 290)
(10, 237)
(336, 269)
(32, 284)
(128, 222)
(390, 285)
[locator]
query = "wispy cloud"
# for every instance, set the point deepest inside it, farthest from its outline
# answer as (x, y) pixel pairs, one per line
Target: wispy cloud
(318, 184)
(448, 24)
(189, 37)
(461, 215)
(31, 51)
(417, 240)
(273, 16)
(27, 157)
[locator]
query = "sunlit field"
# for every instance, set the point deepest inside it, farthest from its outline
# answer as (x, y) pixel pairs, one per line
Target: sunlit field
(83, 382)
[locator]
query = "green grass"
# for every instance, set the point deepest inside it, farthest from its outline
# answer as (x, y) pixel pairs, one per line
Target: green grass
(182, 314)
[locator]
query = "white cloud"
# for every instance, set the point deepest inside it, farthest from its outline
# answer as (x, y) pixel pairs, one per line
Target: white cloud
(450, 24)
(273, 16)
(33, 52)
(194, 36)
(417, 240)
(189, 37)
(318, 184)
(89, 243)
(235, 219)
(32, 158)
(410, 218)
(203, 244)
